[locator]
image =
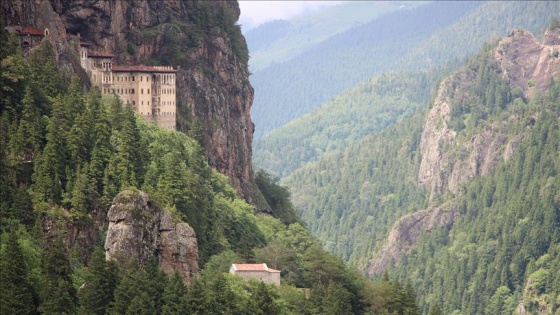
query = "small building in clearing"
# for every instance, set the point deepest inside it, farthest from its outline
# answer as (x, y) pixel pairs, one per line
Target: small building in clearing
(256, 271)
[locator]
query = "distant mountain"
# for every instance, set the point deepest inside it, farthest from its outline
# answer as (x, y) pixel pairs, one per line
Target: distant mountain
(342, 121)
(280, 40)
(461, 200)
(290, 89)
(401, 40)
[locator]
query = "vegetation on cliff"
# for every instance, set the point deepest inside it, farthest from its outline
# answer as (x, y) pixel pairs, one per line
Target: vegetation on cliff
(500, 254)
(66, 153)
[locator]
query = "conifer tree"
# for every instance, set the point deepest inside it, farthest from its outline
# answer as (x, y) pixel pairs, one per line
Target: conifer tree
(263, 298)
(49, 176)
(141, 305)
(60, 294)
(197, 301)
(100, 285)
(155, 283)
(174, 296)
(16, 292)
(336, 300)
(22, 207)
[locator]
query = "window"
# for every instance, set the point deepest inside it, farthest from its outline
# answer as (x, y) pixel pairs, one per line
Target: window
(132, 78)
(148, 91)
(133, 102)
(132, 91)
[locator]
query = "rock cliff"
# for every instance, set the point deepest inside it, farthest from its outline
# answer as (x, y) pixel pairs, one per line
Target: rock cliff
(450, 158)
(139, 229)
(406, 232)
(199, 37)
(448, 162)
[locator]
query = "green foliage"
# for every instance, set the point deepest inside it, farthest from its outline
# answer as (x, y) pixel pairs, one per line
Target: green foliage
(59, 295)
(100, 285)
(16, 294)
(174, 296)
(343, 121)
(507, 229)
(434, 34)
(277, 197)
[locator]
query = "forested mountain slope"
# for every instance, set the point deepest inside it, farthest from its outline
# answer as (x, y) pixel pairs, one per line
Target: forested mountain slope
(281, 40)
(345, 120)
(463, 201)
(398, 41)
(72, 160)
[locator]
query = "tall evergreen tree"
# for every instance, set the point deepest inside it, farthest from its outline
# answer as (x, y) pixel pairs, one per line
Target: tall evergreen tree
(263, 298)
(100, 284)
(60, 294)
(16, 292)
(174, 296)
(49, 177)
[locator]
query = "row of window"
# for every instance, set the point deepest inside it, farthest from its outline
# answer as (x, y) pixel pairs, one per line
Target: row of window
(161, 113)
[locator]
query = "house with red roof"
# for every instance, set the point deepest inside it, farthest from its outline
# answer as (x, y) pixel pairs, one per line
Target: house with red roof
(30, 36)
(256, 271)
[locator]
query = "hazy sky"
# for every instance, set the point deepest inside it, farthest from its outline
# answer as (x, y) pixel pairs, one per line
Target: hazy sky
(254, 13)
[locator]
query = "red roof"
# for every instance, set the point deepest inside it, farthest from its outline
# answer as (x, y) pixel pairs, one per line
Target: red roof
(143, 69)
(96, 54)
(253, 267)
(30, 30)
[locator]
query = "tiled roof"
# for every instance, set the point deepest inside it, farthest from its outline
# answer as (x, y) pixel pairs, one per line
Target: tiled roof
(30, 30)
(253, 267)
(143, 69)
(96, 54)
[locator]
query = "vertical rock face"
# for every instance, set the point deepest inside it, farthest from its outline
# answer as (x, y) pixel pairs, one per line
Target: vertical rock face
(139, 230)
(446, 162)
(526, 63)
(198, 37)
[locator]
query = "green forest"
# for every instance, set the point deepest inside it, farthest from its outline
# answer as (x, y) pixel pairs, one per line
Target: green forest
(431, 35)
(500, 255)
(65, 154)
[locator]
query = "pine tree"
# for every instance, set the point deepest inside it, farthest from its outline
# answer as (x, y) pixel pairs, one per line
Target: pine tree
(60, 294)
(141, 305)
(16, 292)
(49, 176)
(435, 310)
(22, 207)
(156, 283)
(197, 301)
(100, 285)
(174, 296)
(336, 300)
(263, 297)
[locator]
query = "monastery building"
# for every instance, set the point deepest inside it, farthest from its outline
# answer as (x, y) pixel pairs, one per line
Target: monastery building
(148, 90)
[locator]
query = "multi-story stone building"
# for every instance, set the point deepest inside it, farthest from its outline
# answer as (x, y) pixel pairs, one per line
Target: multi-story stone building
(149, 90)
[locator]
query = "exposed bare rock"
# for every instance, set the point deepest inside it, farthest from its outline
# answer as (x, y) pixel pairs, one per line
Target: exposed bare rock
(406, 232)
(436, 136)
(139, 230)
(213, 88)
(526, 63)
(447, 162)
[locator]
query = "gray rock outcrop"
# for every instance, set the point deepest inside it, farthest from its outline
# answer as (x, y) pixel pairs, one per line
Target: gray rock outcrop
(139, 229)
